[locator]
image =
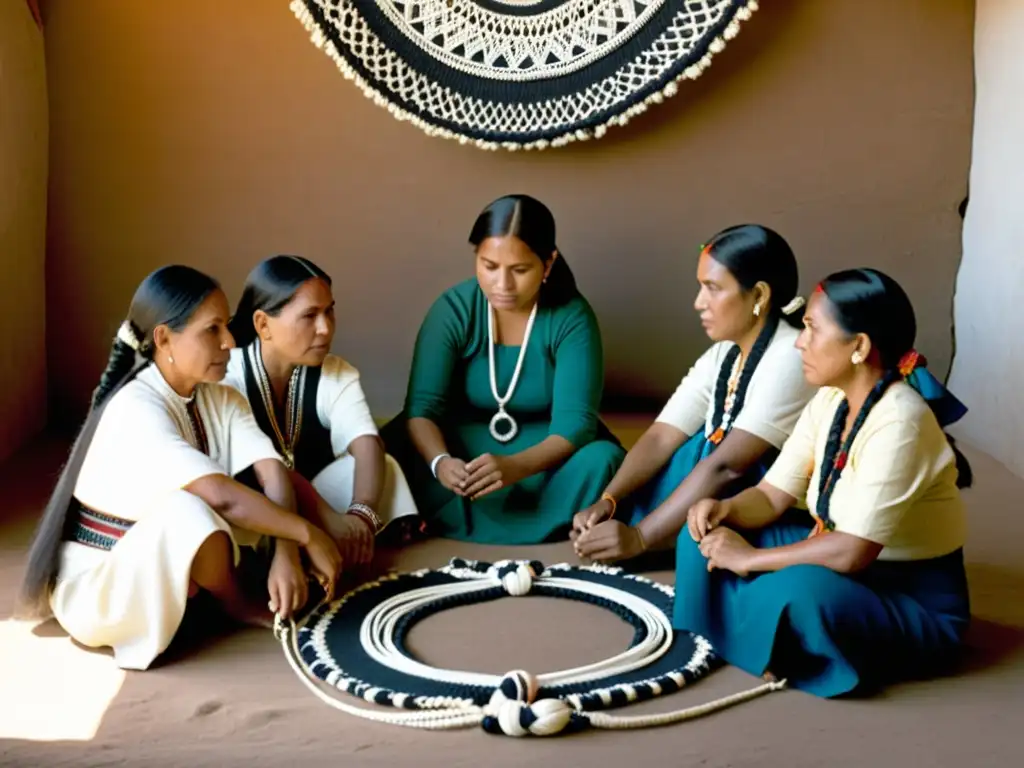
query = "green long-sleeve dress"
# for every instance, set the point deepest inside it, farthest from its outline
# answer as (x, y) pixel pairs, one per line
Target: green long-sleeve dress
(558, 393)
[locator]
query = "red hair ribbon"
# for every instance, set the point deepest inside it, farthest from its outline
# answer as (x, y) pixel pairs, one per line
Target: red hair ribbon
(911, 361)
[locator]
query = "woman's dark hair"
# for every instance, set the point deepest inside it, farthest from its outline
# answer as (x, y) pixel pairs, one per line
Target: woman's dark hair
(870, 302)
(530, 220)
(752, 254)
(169, 296)
(271, 286)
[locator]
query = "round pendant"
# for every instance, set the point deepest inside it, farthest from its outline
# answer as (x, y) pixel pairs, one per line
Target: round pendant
(498, 418)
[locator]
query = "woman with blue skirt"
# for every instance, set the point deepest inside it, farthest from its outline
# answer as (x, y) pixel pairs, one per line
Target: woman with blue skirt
(842, 570)
(730, 414)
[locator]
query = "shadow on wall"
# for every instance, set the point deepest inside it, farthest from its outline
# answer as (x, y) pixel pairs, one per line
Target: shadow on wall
(23, 169)
(174, 144)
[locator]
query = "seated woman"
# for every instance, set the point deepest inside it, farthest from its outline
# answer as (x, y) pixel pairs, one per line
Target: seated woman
(870, 586)
(311, 404)
(146, 513)
(500, 435)
(730, 414)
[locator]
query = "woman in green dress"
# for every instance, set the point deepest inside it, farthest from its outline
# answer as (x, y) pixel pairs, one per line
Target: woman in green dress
(500, 436)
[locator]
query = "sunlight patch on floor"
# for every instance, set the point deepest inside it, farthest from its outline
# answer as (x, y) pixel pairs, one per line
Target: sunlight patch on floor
(51, 690)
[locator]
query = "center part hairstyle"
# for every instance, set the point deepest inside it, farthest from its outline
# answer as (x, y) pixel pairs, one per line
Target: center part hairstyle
(529, 220)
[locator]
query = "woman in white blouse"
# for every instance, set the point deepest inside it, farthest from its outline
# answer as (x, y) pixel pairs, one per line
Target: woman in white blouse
(147, 512)
(730, 414)
(843, 569)
(311, 404)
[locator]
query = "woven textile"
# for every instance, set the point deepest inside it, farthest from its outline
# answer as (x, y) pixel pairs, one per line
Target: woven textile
(521, 74)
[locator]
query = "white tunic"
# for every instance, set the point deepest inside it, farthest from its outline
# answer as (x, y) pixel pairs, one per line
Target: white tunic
(342, 409)
(138, 463)
(776, 394)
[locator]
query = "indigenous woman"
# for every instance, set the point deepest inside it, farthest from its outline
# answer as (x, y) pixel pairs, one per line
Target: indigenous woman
(867, 585)
(311, 404)
(730, 414)
(500, 435)
(146, 512)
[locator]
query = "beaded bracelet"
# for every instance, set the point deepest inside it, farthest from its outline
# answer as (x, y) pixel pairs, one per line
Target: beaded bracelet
(366, 514)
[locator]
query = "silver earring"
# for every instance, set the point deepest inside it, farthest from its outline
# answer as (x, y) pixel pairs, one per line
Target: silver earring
(757, 310)
(170, 360)
(856, 358)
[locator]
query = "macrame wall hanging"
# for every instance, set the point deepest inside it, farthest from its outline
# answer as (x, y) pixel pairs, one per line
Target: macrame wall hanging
(521, 74)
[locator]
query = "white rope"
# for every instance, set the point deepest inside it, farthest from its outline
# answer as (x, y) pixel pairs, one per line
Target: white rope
(377, 633)
(546, 716)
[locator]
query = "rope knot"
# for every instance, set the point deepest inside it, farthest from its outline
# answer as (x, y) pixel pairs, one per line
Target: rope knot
(516, 576)
(280, 629)
(513, 710)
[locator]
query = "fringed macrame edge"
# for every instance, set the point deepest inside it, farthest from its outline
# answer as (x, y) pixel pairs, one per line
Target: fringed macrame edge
(717, 45)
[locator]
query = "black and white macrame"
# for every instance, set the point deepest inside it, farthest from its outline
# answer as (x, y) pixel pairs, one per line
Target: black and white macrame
(521, 75)
(357, 645)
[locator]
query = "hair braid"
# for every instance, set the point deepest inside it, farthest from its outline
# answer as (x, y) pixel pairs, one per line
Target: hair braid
(722, 387)
(764, 338)
(834, 460)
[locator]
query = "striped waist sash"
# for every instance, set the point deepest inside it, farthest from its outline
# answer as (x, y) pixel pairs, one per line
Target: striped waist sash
(95, 529)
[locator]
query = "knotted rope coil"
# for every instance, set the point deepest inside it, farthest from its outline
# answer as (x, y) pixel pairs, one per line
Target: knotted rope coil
(519, 703)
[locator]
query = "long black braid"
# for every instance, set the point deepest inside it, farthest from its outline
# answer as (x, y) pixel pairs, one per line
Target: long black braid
(834, 460)
(764, 338)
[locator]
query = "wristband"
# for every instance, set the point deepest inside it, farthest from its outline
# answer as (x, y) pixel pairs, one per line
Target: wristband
(436, 461)
(364, 512)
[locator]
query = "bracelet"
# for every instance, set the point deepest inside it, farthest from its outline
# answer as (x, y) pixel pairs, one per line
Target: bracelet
(367, 515)
(436, 461)
(611, 500)
(640, 535)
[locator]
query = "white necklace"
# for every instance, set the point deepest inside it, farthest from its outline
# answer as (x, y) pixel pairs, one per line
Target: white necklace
(502, 415)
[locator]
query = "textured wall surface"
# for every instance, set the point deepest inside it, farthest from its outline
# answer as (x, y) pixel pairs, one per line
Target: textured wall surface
(989, 321)
(23, 162)
(216, 134)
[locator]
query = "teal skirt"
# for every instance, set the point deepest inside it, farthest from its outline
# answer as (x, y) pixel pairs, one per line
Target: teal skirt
(827, 633)
(652, 495)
